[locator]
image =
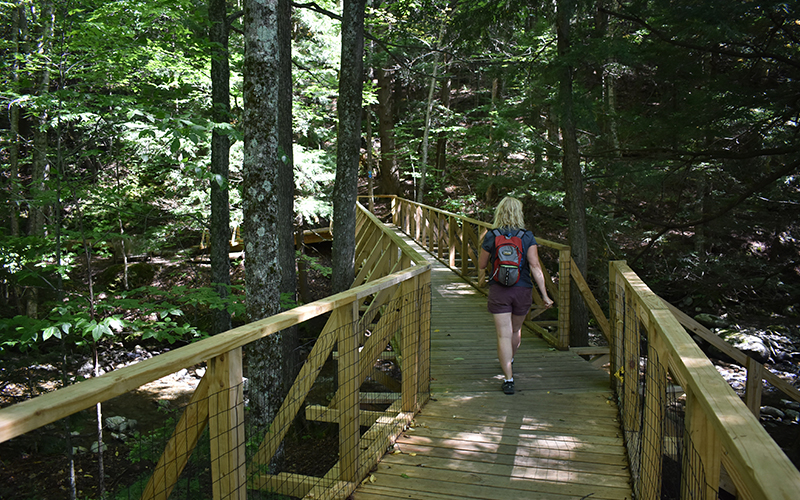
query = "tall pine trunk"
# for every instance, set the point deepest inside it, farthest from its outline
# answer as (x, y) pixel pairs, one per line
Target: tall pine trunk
(220, 159)
(40, 166)
(345, 190)
(573, 178)
(286, 251)
(390, 179)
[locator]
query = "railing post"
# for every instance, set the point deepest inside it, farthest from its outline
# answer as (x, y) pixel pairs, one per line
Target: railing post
(410, 332)
(631, 344)
(424, 308)
(430, 219)
(451, 242)
(226, 426)
(466, 229)
(395, 212)
(754, 386)
(616, 316)
(701, 433)
(653, 427)
(349, 405)
(440, 223)
(564, 258)
(417, 223)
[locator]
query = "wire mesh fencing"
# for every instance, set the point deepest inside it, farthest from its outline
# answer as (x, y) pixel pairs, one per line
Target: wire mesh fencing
(663, 460)
(355, 384)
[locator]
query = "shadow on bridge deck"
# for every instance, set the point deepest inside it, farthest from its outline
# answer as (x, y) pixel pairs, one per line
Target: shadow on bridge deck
(557, 437)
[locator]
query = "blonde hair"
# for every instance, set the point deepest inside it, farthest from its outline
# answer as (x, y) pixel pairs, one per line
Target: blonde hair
(509, 214)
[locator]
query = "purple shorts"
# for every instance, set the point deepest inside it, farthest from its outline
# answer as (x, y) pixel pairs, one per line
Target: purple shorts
(516, 300)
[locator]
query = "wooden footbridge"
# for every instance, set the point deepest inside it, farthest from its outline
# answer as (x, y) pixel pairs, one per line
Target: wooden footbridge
(658, 422)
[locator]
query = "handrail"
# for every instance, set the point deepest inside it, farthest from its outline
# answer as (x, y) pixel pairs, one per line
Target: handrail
(756, 373)
(721, 428)
(394, 282)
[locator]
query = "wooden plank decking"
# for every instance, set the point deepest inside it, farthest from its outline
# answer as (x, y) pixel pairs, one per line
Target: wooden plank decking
(556, 438)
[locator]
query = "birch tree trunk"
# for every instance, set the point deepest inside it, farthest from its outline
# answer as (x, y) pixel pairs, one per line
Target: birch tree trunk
(345, 189)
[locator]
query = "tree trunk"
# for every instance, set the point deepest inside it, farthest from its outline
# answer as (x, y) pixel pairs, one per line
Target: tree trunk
(220, 160)
(441, 142)
(368, 161)
(286, 250)
(260, 203)
(390, 180)
(573, 179)
(345, 190)
(423, 167)
(40, 166)
(19, 22)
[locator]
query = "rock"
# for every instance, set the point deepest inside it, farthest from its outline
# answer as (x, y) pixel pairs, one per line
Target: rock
(750, 344)
(711, 321)
(95, 447)
(199, 372)
(119, 436)
(87, 370)
(120, 424)
(793, 414)
(772, 412)
(788, 403)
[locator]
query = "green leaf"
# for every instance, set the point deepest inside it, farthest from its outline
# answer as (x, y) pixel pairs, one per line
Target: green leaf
(100, 330)
(51, 331)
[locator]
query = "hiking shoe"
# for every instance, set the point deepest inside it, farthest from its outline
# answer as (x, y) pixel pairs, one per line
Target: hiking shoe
(508, 387)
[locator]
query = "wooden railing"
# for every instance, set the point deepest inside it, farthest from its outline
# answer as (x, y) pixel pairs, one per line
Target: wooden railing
(390, 299)
(455, 241)
(650, 350)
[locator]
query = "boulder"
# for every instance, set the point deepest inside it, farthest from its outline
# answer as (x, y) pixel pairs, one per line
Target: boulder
(753, 345)
(120, 424)
(711, 321)
(772, 412)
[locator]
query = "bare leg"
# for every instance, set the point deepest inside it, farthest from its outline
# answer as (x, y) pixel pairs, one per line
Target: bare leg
(505, 349)
(516, 333)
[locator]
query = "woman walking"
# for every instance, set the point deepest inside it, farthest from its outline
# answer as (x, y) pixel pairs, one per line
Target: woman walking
(509, 303)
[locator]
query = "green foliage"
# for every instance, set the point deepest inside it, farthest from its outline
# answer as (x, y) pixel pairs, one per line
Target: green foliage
(148, 448)
(145, 313)
(314, 175)
(313, 263)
